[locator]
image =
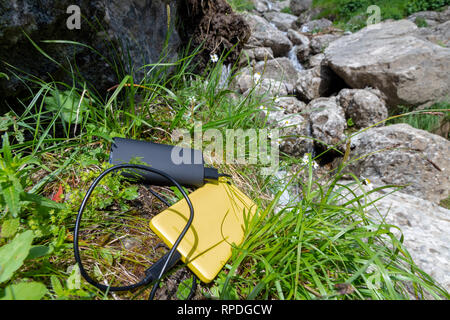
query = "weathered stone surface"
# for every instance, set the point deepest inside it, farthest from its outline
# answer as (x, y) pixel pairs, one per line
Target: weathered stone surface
(257, 54)
(317, 82)
(327, 121)
(390, 57)
(299, 6)
(266, 35)
(402, 155)
(295, 133)
(283, 21)
(424, 225)
(290, 105)
(297, 38)
(321, 42)
(247, 82)
(280, 69)
(316, 25)
(438, 34)
(140, 26)
(316, 60)
(363, 106)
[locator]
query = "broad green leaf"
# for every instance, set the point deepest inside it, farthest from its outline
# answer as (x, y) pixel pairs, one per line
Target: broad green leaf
(10, 227)
(11, 197)
(37, 252)
(74, 280)
(56, 285)
(72, 109)
(14, 253)
(24, 291)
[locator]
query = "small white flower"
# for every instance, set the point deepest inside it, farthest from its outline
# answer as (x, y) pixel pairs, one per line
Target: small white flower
(315, 165)
(278, 141)
(367, 183)
(257, 77)
(214, 58)
(305, 158)
(287, 122)
(192, 100)
(262, 108)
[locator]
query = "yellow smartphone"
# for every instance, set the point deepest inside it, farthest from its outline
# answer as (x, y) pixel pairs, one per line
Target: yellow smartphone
(220, 212)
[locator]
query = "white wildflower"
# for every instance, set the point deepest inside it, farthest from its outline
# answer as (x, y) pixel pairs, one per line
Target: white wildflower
(367, 183)
(214, 58)
(192, 100)
(257, 77)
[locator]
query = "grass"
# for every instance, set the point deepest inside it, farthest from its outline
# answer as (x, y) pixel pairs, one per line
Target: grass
(434, 118)
(321, 246)
(353, 14)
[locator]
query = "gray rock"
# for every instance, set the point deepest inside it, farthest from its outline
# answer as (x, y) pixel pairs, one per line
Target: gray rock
(320, 43)
(140, 26)
(402, 155)
(431, 18)
(262, 6)
(363, 106)
(316, 25)
(298, 38)
(295, 133)
(257, 54)
(316, 60)
(299, 6)
(290, 105)
(439, 34)
(247, 83)
(266, 35)
(280, 69)
(283, 21)
(317, 82)
(327, 121)
(302, 52)
(280, 5)
(390, 57)
(424, 225)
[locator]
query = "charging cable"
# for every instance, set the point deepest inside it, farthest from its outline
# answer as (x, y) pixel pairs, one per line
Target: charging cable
(157, 270)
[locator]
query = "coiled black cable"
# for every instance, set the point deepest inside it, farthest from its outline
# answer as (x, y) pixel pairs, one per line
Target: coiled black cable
(151, 275)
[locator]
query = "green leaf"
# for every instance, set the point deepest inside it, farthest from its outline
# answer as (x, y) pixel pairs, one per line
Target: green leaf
(14, 253)
(37, 252)
(11, 197)
(74, 280)
(10, 227)
(4, 75)
(184, 288)
(6, 150)
(56, 285)
(69, 104)
(24, 291)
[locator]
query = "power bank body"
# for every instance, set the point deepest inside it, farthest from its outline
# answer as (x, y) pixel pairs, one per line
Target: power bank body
(220, 215)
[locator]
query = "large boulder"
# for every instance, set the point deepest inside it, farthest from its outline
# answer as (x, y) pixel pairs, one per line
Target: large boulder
(364, 107)
(263, 34)
(135, 28)
(280, 69)
(389, 56)
(402, 155)
(327, 122)
(424, 225)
